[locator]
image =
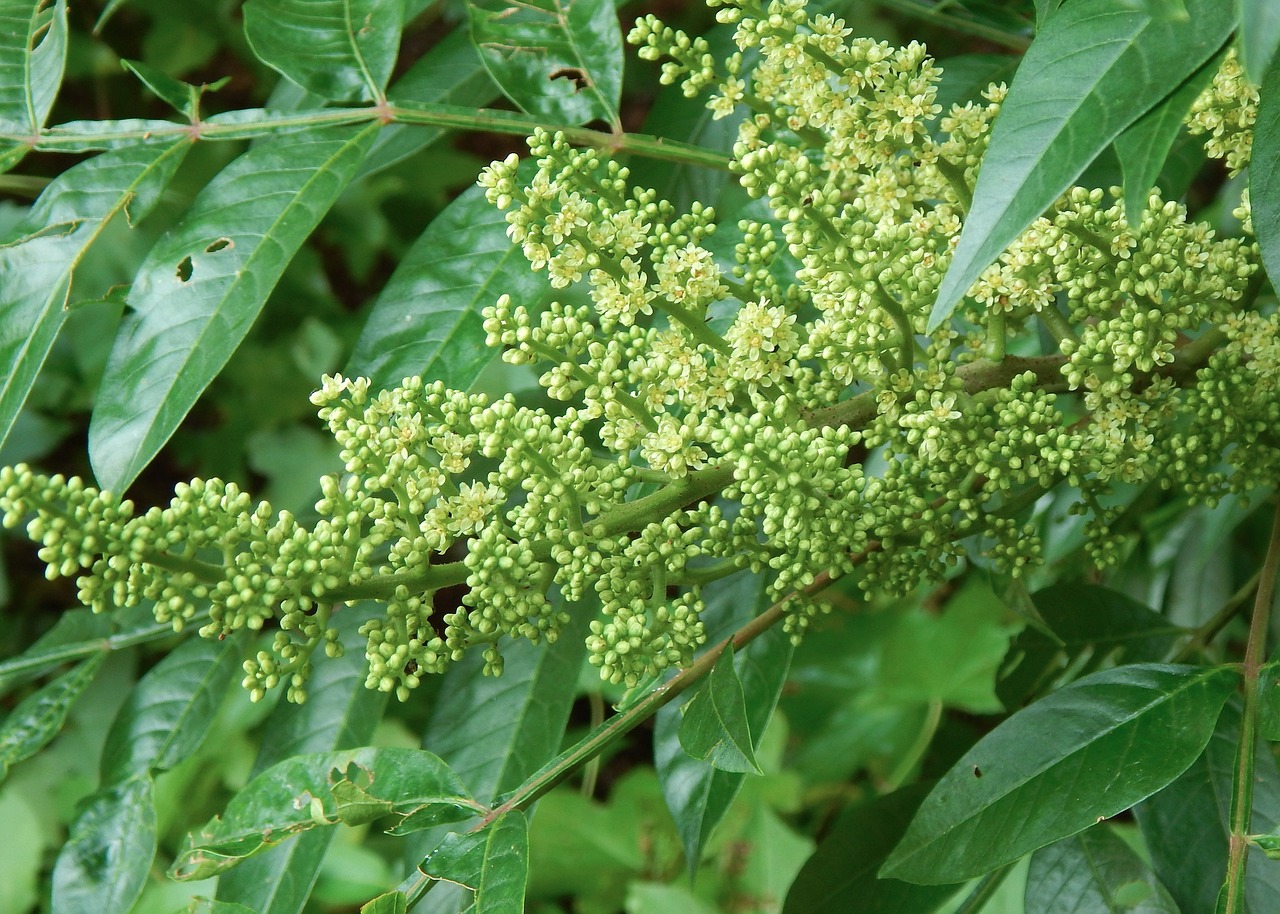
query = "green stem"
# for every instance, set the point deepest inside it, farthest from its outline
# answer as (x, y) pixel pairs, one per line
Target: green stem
(900, 773)
(25, 666)
(996, 336)
(983, 891)
(1242, 784)
(1057, 325)
(696, 327)
(1201, 637)
(959, 187)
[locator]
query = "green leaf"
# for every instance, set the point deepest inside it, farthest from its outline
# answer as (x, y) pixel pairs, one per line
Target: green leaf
(492, 862)
(1093, 626)
(107, 858)
(167, 715)
(390, 903)
(40, 716)
(1093, 70)
(697, 794)
(210, 906)
(1096, 747)
(451, 73)
(845, 863)
(1145, 144)
(1264, 173)
(339, 713)
(1258, 36)
(33, 51)
(340, 49)
(182, 97)
(353, 786)
(427, 319)
(1091, 872)
(1269, 701)
(79, 633)
(1186, 825)
(556, 59)
(39, 265)
(714, 727)
(201, 286)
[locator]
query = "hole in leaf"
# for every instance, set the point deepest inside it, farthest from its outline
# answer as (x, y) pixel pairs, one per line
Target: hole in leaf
(219, 245)
(185, 269)
(575, 75)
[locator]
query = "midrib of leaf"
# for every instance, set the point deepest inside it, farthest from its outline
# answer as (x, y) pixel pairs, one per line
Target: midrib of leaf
(33, 34)
(563, 15)
(212, 672)
(375, 91)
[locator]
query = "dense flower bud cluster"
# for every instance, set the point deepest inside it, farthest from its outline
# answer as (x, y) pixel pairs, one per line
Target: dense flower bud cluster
(778, 408)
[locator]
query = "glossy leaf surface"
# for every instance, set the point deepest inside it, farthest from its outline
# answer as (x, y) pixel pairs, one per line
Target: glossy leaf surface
(1186, 825)
(39, 717)
(714, 727)
(167, 715)
(412, 787)
(844, 865)
(427, 319)
(1094, 871)
(557, 59)
(492, 862)
(39, 264)
(1097, 746)
(107, 858)
(338, 49)
(339, 713)
(1264, 173)
(33, 50)
(202, 285)
(1094, 69)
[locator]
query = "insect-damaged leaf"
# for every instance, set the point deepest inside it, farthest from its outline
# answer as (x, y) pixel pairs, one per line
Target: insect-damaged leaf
(410, 786)
(715, 726)
(493, 862)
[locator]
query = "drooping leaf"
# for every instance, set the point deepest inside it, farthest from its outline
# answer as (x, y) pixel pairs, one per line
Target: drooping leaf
(492, 862)
(107, 858)
(33, 51)
(451, 73)
(845, 863)
(339, 49)
(39, 717)
(1094, 871)
(714, 727)
(167, 715)
(1098, 746)
(495, 731)
(339, 713)
(1258, 36)
(1264, 172)
(39, 264)
(354, 786)
(1186, 825)
(202, 285)
(697, 794)
(78, 633)
(1092, 626)
(427, 319)
(556, 59)
(1145, 144)
(1094, 69)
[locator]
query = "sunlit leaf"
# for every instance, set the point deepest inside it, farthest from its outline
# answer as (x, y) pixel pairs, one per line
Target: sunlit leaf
(1098, 746)
(714, 727)
(427, 319)
(410, 787)
(39, 717)
(339, 49)
(557, 59)
(40, 263)
(202, 285)
(1094, 68)
(492, 862)
(107, 858)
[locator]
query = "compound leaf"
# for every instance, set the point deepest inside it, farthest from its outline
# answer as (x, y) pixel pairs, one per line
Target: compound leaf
(201, 286)
(167, 715)
(107, 858)
(555, 59)
(40, 716)
(33, 52)
(492, 862)
(354, 786)
(1098, 746)
(338, 49)
(1094, 69)
(427, 319)
(39, 264)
